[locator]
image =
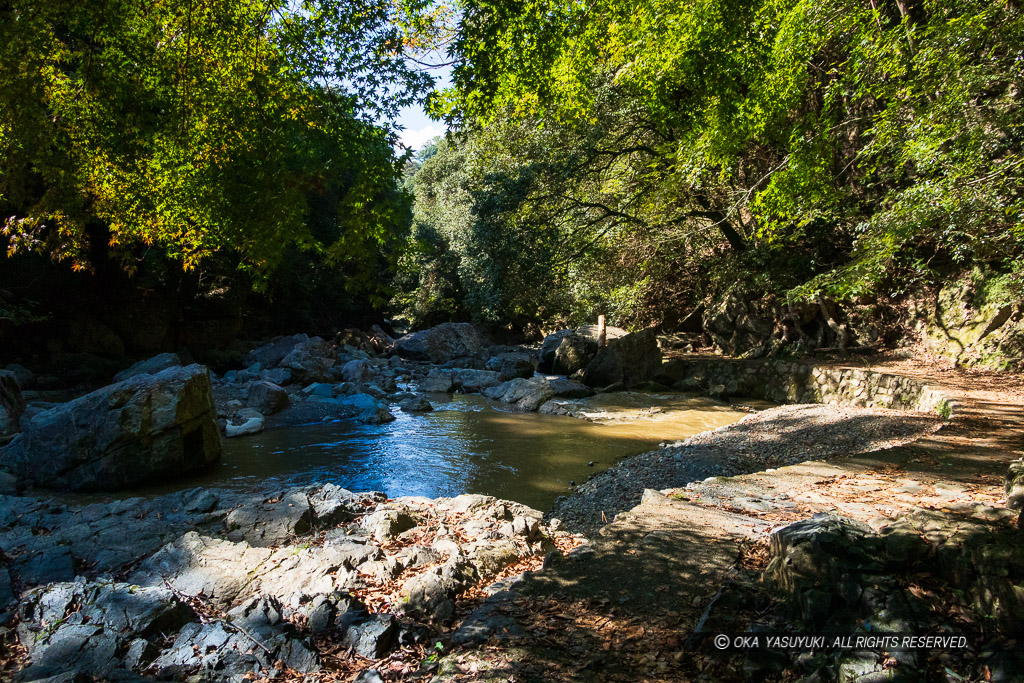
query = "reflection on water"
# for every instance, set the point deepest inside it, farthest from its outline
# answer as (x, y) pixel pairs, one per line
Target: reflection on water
(466, 445)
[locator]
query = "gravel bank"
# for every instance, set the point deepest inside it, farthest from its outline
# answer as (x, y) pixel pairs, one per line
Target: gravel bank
(772, 438)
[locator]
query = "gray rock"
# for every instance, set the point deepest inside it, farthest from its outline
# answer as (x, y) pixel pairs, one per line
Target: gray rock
(820, 550)
(388, 385)
(333, 505)
(431, 594)
(309, 360)
(251, 422)
(438, 380)
(49, 565)
(7, 595)
(358, 371)
(1015, 485)
(490, 557)
(11, 404)
(279, 376)
(200, 500)
(372, 390)
(82, 627)
(441, 344)
(863, 667)
(385, 525)
(25, 378)
(426, 595)
(382, 571)
(417, 555)
(574, 353)
(272, 522)
(372, 638)
(82, 648)
(353, 552)
(630, 360)
(823, 562)
(219, 651)
(366, 409)
(474, 381)
(512, 364)
(9, 483)
(548, 348)
(255, 612)
(417, 404)
(150, 366)
(324, 610)
(321, 389)
(569, 388)
(588, 332)
(130, 611)
(267, 397)
(270, 355)
(527, 527)
(149, 427)
(369, 676)
(523, 394)
(194, 564)
(486, 622)
(140, 653)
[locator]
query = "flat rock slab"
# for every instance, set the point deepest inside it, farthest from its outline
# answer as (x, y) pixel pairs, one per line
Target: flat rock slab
(661, 562)
(661, 542)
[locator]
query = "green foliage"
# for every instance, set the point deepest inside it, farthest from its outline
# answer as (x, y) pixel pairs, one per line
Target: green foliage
(203, 129)
(826, 148)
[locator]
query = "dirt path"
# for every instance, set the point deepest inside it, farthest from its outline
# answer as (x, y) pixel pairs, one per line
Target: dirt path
(623, 609)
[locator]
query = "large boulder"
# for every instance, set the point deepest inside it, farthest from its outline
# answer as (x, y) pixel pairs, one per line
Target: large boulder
(526, 395)
(548, 348)
(366, 409)
(309, 360)
(358, 371)
(149, 427)
(441, 344)
(150, 366)
(587, 333)
(382, 341)
(271, 354)
(512, 364)
(11, 404)
(267, 397)
(25, 378)
(630, 360)
(573, 353)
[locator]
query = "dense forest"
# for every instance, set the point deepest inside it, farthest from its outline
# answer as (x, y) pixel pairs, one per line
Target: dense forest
(237, 160)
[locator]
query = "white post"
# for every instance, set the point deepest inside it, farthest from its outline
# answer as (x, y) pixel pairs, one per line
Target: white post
(602, 333)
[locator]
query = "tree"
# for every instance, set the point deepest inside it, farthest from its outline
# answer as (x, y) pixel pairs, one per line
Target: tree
(835, 146)
(202, 128)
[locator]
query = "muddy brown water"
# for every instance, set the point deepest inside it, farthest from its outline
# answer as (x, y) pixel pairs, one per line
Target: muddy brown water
(468, 444)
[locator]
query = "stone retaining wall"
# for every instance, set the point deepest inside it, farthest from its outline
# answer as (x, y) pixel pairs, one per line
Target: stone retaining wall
(794, 382)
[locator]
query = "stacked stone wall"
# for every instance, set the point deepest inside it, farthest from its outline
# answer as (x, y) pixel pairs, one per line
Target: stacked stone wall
(783, 381)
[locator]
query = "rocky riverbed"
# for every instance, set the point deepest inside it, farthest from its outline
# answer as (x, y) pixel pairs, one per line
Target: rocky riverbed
(211, 584)
(222, 586)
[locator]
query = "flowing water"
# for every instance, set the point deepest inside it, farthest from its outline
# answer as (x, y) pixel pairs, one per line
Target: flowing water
(467, 445)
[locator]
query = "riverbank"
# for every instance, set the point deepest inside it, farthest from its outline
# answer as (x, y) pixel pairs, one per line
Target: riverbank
(254, 573)
(914, 538)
